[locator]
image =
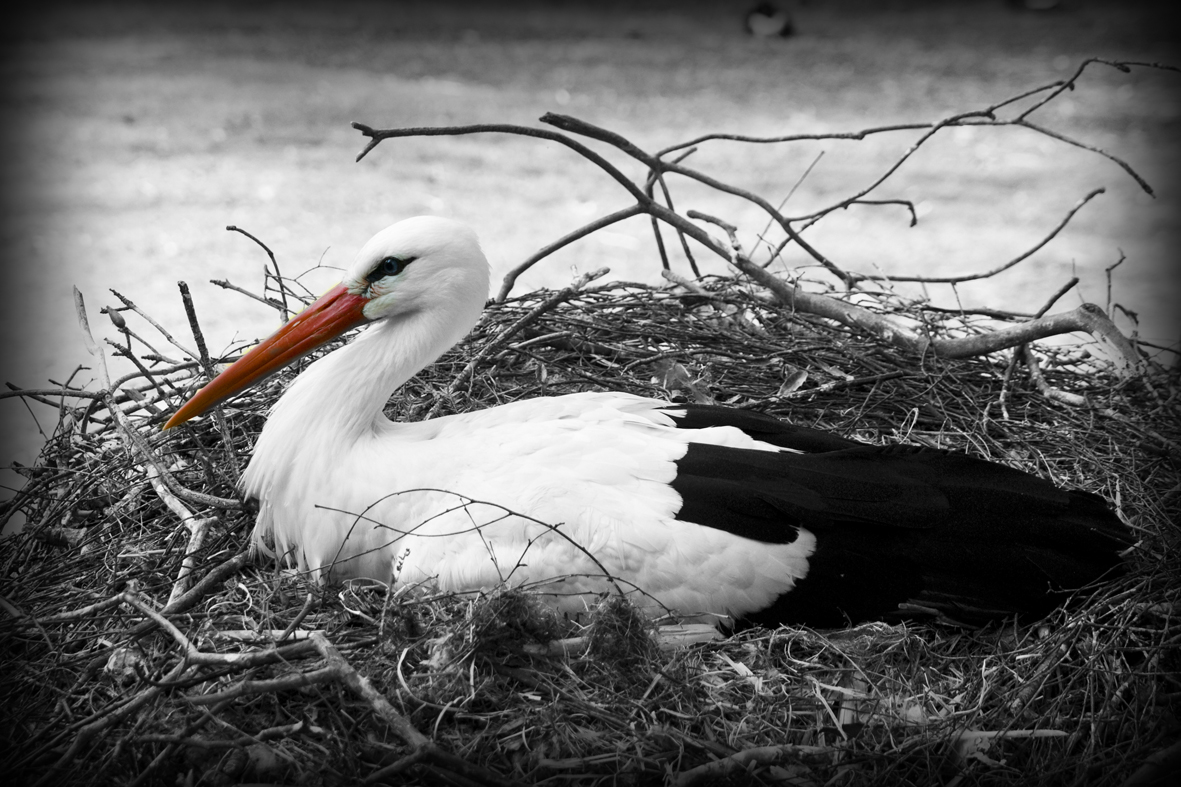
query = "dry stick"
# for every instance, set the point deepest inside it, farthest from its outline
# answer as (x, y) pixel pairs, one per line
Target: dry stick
(1091, 148)
(130, 334)
(199, 337)
(649, 185)
(248, 688)
(547, 305)
(1022, 349)
(658, 177)
(775, 251)
(1048, 391)
(914, 218)
(196, 527)
(643, 202)
(377, 135)
(139, 399)
(985, 117)
(119, 385)
(225, 285)
(578, 126)
(303, 613)
(1004, 267)
(131, 436)
(163, 332)
(736, 251)
(1086, 317)
(187, 600)
(656, 164)
(43, 392)
(278, 276)
(1107, 273)
(688, 284)
(1068, 84)
(510, 278)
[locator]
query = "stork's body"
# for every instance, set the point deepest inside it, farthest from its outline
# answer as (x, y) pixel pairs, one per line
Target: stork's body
(704, 512)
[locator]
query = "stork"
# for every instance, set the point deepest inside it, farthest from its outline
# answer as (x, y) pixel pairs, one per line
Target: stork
(705, 512)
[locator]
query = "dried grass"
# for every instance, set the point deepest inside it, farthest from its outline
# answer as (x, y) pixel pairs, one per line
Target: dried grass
(97, 691)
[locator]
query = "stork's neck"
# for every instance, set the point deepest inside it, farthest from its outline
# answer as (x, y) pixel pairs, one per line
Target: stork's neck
(342, 395)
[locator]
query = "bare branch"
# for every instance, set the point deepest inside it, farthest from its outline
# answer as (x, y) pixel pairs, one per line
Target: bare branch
(286, 311)
(377, 136)
(510, 278)
(986, 274)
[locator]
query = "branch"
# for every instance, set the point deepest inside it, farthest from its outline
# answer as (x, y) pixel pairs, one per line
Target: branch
(547, 305)
(377, 136)
(286, 311)
(658, 165)
(974, 276)
(132, 437)
(510, 278)
(1087, 317)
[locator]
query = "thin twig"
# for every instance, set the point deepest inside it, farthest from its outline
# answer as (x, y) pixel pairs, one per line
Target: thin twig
(286, 310)
(993, 272)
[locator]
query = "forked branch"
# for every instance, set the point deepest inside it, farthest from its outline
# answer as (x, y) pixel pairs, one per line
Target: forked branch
(1086, 318)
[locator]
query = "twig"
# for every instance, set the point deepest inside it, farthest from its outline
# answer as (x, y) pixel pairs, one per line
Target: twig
(212, 578)
(196, 528)
(549, 304)
(986, 274)
(199, 337)
(225, 285)
(130, 434)
(1046, 390)
(39, 393)
(658, 165)
(147, 318)
(286, 311)
(510, 278)
(1084, 318)
(1021, 350)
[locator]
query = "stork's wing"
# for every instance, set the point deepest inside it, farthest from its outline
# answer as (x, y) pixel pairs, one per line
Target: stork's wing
(903, 525)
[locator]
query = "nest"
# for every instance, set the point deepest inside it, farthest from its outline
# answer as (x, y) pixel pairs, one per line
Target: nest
(142, 645)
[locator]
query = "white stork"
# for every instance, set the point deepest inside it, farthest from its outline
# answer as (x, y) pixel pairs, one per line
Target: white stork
(706, 512)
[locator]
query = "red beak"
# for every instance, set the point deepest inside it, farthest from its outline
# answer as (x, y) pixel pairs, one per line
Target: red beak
(335, 312)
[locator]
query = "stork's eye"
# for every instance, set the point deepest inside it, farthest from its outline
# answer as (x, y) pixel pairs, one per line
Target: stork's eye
(390, 266)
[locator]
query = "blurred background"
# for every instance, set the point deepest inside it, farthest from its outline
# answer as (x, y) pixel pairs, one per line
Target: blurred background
(136, 132)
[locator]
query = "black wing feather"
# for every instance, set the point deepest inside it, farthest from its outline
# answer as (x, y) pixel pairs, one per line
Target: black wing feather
(903, 526)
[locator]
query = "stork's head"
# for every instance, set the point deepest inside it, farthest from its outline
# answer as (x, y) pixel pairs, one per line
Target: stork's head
(424, 266)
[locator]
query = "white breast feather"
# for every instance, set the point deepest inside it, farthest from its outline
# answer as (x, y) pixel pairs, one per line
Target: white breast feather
(595, 467)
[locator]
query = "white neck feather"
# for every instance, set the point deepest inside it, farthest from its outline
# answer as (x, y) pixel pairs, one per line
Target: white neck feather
(338, 400)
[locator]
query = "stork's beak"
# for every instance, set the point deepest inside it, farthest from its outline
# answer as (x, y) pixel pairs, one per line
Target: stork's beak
(335, 312)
